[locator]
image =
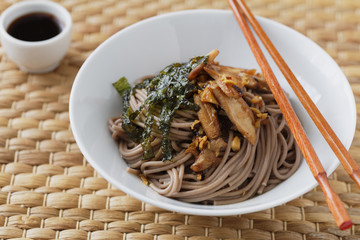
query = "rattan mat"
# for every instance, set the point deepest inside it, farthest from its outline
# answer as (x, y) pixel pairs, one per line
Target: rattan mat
(49, 191)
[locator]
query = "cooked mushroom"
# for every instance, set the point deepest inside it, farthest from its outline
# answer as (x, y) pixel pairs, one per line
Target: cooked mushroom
(238, 112)
(229, 83)
(217, 145)
(208, 96)
(195, 72)
(205, 159)
(247, 77)
(208, 118)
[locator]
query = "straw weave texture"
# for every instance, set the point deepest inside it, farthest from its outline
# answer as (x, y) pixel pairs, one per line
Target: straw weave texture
(49, 191)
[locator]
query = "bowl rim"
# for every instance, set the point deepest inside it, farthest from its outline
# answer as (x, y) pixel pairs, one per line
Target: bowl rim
(214, 211)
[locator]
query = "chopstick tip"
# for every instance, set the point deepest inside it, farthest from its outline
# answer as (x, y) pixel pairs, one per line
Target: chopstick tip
(345, 225)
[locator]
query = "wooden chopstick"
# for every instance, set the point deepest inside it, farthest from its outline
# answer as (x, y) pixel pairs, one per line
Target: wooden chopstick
(334, 142)
(334, 202)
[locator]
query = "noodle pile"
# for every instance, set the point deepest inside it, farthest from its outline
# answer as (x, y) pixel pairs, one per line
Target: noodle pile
(239, 174)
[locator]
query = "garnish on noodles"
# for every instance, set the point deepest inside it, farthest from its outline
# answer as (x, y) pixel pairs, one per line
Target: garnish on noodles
(204, 132)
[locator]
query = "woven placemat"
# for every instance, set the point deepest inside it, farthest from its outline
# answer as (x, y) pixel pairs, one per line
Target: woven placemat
(49, 191)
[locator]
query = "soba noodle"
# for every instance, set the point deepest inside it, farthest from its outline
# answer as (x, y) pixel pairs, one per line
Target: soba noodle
(239, 175)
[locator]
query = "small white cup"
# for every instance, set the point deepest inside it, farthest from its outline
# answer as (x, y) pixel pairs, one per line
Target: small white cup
(40, 56)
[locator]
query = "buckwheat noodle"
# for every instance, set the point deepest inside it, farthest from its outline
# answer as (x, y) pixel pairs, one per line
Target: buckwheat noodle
(251, 171)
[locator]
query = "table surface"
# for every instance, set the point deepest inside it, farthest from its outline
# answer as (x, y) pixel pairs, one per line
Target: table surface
(49, 191)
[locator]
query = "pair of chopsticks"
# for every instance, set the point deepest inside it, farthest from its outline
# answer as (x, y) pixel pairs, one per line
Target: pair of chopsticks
(335, 204)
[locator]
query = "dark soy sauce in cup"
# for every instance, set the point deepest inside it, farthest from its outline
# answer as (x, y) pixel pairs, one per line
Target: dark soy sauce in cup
(33, 27)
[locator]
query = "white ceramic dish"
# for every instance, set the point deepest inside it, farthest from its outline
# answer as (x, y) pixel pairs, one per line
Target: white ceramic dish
(148, 46)
(39, 56)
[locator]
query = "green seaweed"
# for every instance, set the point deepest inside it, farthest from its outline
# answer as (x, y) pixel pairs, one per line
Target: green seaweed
(168, 91)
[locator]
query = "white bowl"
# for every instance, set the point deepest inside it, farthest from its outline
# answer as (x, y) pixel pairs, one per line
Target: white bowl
(39, 56)
(148, 46)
